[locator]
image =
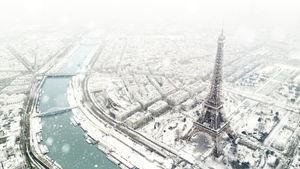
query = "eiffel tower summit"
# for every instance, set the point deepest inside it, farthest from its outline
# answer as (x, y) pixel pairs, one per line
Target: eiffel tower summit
(212, 120)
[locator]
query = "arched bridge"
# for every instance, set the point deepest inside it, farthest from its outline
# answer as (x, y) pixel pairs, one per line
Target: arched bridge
(58, 74)
(55, 112)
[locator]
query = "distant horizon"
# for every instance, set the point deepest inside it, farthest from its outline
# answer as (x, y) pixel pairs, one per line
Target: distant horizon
(205, 13)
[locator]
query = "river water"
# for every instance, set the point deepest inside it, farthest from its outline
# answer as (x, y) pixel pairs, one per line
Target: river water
(66, 143)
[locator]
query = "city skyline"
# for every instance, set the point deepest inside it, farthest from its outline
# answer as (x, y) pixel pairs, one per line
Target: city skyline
(150, 84)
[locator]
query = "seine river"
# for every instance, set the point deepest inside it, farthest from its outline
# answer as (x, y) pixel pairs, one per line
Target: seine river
(66, 143)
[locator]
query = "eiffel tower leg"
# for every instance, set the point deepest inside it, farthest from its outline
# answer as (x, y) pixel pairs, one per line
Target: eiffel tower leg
(233, 137)
(190, 134)
(217, 151)
(231, 134)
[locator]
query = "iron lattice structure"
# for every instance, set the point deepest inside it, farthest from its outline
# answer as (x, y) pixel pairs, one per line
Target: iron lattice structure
(213, 105)
(212, 120)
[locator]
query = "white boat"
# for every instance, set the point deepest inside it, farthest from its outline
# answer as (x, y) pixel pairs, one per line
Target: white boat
(74, 122)
(57, 165)
(39, 137)
(114, 160)
(122, 166)
(102, 149)
(44, 149)
(90, 140)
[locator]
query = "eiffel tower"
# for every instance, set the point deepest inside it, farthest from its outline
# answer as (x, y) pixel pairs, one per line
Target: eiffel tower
(212, 120)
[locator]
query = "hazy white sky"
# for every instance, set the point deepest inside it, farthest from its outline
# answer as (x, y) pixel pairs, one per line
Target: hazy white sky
(215, 12)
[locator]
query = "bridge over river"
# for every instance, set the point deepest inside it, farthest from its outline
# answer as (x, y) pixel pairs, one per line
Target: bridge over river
(55, 111)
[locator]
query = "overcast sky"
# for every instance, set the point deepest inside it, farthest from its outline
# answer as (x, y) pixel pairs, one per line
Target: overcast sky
(284, 13)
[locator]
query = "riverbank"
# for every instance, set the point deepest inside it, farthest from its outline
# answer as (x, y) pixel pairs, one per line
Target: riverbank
(120, 148)
(38, 149)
